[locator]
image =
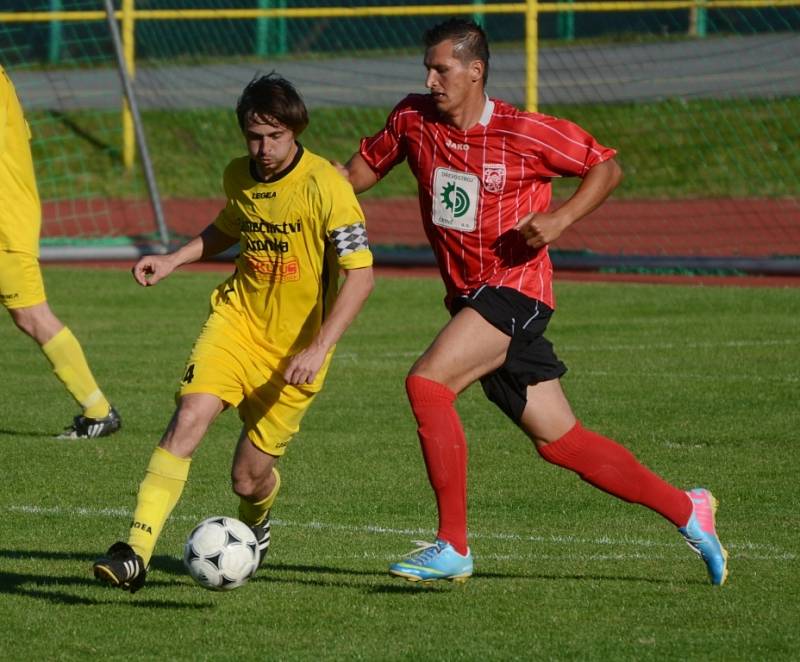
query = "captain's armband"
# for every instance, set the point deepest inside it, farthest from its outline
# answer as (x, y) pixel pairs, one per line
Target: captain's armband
(349, 238)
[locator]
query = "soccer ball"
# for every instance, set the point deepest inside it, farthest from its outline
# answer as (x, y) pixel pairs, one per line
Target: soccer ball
(221, 553)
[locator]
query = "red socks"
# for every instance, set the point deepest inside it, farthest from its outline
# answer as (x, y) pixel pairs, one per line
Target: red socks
(596, 459)
(444, 448)
(612, 468)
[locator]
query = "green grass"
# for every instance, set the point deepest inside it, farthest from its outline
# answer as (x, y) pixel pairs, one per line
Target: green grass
(699, 382)
(669, 149)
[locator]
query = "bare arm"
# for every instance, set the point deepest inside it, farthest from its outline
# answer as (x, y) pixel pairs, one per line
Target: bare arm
(304, 366)
(358, 173)
(150, 269)
(545, 227)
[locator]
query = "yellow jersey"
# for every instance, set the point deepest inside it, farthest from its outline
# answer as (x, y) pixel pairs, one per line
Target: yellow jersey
(20, 210)
(295, 232)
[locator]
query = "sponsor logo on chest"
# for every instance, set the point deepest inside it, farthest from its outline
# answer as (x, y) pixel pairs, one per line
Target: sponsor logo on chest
(455, 199)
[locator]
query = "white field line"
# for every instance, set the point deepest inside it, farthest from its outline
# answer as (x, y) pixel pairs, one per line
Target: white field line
(748, 550)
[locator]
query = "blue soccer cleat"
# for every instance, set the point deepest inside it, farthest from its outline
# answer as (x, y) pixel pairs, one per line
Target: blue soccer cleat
(701, 535)
(432, 562)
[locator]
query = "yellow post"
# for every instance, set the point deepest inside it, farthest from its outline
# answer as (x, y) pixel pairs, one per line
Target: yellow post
(129, 52)
(532, 55)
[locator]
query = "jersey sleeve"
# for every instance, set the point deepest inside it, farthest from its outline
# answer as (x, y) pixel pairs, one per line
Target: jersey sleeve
(5, 94)
(565, 149)
(387, 148)
(227, 220)
(344, 224)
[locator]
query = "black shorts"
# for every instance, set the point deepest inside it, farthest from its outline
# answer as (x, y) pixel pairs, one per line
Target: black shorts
(530, 358)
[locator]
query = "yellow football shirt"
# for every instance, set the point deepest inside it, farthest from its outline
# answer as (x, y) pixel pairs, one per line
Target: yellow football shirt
(20, 210)
(295, 232)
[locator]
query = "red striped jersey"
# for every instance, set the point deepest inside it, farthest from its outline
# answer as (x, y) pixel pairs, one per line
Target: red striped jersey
(475, 185)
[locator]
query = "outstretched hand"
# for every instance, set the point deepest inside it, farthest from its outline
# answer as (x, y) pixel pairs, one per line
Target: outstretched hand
(152, 268)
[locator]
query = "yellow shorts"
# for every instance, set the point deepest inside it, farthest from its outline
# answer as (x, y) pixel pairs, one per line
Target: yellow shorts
(243, 375)
(21, 283)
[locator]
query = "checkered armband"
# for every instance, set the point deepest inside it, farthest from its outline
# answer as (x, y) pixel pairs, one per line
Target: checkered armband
(349, 239)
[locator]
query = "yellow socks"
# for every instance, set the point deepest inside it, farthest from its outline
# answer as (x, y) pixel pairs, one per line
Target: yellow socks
(160, 490)
(254, 513)
(65, 354)
(158, 493)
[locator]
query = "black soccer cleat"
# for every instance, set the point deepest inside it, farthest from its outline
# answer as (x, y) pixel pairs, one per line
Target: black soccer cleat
(121, 567)
(88, 428)
(262, 538)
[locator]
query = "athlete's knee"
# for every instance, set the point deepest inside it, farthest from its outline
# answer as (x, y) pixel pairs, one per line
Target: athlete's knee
(244, 486)
(416, 370)
(549, 432)
(422, 391)
(38, 322)
(189, 424)
(546, 415)
(252, 485)
(191, 418)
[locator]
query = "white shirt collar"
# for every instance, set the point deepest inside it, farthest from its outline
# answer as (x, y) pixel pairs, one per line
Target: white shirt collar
(488, 109)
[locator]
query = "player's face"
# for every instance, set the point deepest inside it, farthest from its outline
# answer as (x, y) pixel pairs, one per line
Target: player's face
(451, 82)
(271, 146)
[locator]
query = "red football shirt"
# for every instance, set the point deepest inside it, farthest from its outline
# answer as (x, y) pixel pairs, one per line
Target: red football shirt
(475, 185)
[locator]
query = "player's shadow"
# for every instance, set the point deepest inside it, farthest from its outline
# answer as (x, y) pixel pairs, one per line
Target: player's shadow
(334, 577)
(61, 589)
(318, 575)
(295, 573)
(558, 576)
(285, 573)
(47, 434)
(360, 579)
(325, 576)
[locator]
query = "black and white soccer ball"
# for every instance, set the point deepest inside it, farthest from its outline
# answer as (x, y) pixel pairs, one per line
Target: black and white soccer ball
(221, 553)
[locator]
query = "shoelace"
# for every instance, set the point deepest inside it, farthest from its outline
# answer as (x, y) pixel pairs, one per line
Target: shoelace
(424, 551)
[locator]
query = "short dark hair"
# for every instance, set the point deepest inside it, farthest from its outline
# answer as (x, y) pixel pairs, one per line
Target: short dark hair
(469, 41)
(272, 97)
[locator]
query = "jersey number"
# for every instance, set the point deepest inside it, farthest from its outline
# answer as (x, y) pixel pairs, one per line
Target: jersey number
(189, 376)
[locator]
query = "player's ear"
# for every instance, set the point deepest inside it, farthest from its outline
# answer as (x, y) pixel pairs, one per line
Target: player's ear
(476, 71)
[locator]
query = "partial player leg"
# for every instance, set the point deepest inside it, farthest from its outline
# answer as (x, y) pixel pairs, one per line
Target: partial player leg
(272, 414)
(605, 464)
(256, 481)
(32, 315)
(466, 348)
(444, 449)
(599, 461)
(124, 565)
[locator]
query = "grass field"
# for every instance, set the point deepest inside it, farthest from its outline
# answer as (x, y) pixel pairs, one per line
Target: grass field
(669, 149)
(700, 382)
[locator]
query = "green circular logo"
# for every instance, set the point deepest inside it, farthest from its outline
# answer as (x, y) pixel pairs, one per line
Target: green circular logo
(456, 199)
